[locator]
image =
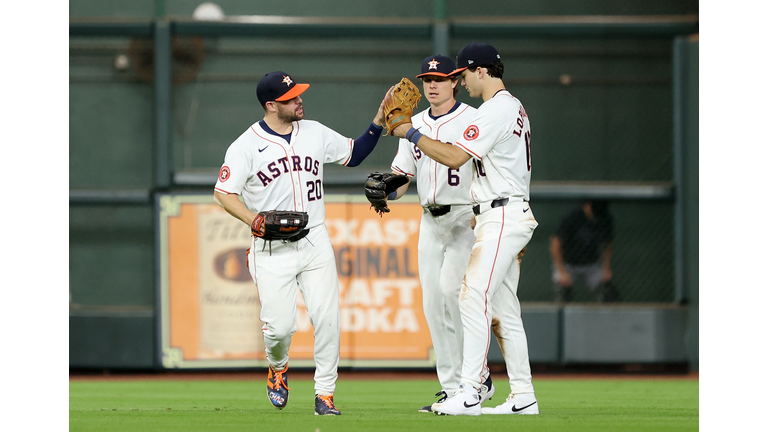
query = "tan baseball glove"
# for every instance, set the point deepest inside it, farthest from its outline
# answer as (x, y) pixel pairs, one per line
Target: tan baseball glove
(400, 103)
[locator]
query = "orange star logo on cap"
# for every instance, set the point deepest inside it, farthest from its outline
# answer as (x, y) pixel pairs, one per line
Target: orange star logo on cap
(433, 64)
(287, 80)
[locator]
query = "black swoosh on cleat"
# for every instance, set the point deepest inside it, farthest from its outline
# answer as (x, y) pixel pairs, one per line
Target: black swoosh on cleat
(516, 409)
(470, 406)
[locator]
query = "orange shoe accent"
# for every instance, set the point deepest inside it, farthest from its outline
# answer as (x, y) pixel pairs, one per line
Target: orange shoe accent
(324, 405)
(327, 400)
(275, 378)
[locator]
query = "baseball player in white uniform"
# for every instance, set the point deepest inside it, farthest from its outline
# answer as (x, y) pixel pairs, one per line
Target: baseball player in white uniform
(277, 164)
(445, 235)
(497, 141)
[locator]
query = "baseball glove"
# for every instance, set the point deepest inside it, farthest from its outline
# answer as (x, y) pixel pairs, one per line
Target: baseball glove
(280, 225)
(399, 105)
(379, 186)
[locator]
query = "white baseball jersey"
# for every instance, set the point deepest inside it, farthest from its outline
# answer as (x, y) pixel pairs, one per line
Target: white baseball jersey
(499, 140)
(272, 174)
(436, 183)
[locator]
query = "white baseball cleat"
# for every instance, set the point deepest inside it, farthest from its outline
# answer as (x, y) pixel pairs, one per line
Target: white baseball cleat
(465, 402)
(442, 395)
(487, 390)
(523, 403)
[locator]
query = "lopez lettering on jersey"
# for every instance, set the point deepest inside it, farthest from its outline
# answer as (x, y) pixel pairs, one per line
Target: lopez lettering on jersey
(504, 169)
(272, 174)
(437, 184)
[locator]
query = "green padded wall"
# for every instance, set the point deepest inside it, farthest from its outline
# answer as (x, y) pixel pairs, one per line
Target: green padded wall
(601, 109)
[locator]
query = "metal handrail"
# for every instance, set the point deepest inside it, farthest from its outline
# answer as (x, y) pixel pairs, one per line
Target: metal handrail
(634, 191)
(254, 25)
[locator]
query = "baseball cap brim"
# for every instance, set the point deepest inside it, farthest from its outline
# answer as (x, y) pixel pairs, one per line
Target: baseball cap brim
(434, 74)
(457, 71)
(292, 93)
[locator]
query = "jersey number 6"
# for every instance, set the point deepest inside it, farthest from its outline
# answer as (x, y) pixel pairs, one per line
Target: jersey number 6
(453, 177)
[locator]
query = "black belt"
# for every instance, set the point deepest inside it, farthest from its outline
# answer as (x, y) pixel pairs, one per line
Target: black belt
(495, 203)
(439, 210)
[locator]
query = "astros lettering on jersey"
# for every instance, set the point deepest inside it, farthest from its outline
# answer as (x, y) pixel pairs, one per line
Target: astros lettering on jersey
(276, 175)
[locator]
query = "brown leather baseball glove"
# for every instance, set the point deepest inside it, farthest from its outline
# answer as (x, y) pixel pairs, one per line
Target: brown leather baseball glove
(400, 103)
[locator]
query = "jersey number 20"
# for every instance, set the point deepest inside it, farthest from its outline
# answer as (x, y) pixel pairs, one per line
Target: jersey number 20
(314, 190)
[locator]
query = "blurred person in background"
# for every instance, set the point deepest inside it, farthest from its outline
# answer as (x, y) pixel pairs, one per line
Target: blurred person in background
(581, 249)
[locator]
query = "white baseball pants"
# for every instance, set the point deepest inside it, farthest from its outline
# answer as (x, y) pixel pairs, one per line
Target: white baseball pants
(309, 265)
(502, 232)
(444, 246)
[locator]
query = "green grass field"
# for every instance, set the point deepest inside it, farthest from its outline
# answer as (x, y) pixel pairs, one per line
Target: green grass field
(377, 405)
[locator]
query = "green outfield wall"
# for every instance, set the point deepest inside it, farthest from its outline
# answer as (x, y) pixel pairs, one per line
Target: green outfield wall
(611, 88)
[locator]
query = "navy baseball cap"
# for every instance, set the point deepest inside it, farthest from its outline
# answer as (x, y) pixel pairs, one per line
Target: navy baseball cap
(476, 54)
(278, 86)
(438, 65)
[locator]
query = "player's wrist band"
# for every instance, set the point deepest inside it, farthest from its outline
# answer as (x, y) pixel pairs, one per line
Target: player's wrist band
(392, 195)
(413, 135)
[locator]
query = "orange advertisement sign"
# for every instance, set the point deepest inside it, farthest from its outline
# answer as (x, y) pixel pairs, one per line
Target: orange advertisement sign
(210, 307)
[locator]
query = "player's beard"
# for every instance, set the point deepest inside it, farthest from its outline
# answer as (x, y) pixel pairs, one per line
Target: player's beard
(286, 116)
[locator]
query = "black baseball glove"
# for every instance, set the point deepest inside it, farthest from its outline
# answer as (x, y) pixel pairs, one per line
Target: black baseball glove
(280, 225)
(379, 186)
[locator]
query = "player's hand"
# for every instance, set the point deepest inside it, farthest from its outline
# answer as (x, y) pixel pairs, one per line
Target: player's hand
(472, 222)
(607, 275)
(565, 279)
(401, 130)
(379, 119)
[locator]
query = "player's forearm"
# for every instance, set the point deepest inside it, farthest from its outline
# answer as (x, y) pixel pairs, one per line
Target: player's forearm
(446, 154)
(364, 145)
(232, 204)
(400, 191)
